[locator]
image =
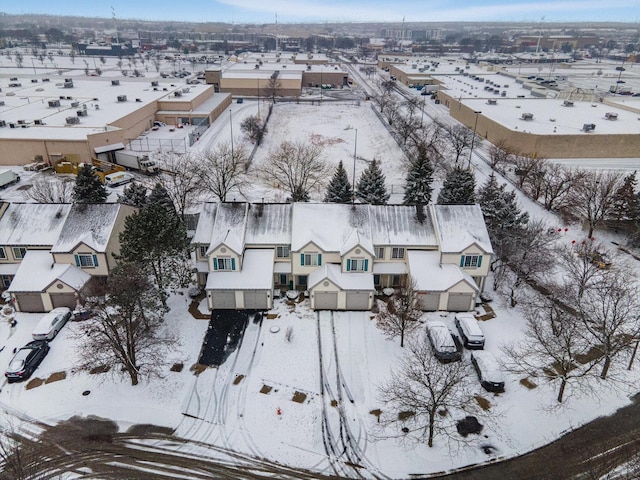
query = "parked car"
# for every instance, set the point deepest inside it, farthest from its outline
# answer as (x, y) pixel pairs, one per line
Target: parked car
(118, 178)
(49, 326)
(470, 332)
(442, 342)
(26, 360)
(488, 371)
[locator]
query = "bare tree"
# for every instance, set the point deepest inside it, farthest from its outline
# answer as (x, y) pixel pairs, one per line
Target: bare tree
(534, 185)
(156, 62)
(558, 182)
(499, 155)
(298, 167)
(527, 165)
(422, 392)
(385, 96)
(458, 140)
(580, 267)
(51, 190)
(254, 128)
(20, 457)
(593, 198)
(127, 331)
(610, 314)
(553, 347)
(222, 168)
(181, 179)
(273, 88)
(405, 126)
(401, 315)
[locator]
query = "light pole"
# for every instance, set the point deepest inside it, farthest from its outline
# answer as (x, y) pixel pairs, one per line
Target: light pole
(473, 138)
(424, 98)
(258, 79)
(231, 125)
(355, 150)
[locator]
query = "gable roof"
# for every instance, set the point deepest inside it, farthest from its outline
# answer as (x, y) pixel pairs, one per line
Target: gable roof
(88, 223)
(460, 226)
(37, 271)
(354, 240)
(32, 223)
(206, 220)
(344, 281)
(431, 275)
(401, 225)
(269, 224)
(229, 227)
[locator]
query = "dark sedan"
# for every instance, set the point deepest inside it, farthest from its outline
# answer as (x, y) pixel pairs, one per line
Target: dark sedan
(26, 360)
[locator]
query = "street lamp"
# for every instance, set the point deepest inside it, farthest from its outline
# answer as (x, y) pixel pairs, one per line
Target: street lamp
(474, 137)
(355, 149)
(231, 125)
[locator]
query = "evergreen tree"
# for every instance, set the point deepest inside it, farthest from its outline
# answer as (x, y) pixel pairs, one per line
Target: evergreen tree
(134, 195)
(156, 239)
(339, 189)
(459, 188)
(371, 188)
(500, 208)
(626, 204)
(418, 188)
(88, 188)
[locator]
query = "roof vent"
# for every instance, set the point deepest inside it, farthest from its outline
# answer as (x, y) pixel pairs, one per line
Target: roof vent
(72, 120)
(115, 82)
(526, 116)
(567, 103)
(122, 98)
(588, 127)
(611, 116)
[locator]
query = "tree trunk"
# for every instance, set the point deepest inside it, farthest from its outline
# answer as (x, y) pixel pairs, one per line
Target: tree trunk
(402, 338)
(590, 234)
(605, 367)
(133, 374)
(563, 384)
(514, 302)
(431, 428)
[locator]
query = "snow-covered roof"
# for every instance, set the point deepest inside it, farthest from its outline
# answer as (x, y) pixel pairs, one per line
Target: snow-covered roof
(37, 271)
(256, 273)
(400, 225)
(206, 220)
(229, 227)
(32, 223)
(91, 224)
(345, 281)
(354, 240)
(269, 224)
(430, 275)
(460, 226)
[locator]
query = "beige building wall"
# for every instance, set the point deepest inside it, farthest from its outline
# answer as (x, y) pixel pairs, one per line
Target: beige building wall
(113, 244)
(252, 87)
(137, 122)
(225, 252)
(102, 270)
(315, 79)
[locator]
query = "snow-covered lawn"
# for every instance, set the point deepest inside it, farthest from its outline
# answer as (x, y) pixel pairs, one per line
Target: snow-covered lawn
(233, 407)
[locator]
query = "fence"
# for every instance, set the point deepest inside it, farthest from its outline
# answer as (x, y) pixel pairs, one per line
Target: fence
(159, 145)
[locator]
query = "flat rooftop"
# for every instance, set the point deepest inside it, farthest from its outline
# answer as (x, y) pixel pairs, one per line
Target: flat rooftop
(30, 101)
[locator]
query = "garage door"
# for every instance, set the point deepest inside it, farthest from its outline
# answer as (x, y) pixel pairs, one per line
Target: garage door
(223, 299)
(429, 302)
(256, 300)
(63, 300)
(325, 300)
(357, 301)
(30, 302)
(459, 302)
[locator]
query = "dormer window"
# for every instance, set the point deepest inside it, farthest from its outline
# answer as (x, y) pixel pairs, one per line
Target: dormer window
(224, 263)
(357, 264)
(311, 259)
(471, 261)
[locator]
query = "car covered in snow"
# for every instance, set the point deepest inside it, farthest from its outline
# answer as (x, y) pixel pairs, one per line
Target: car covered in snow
(444, 346)
(488, 370)
(49, 326)
(26, 360)
(470, 332)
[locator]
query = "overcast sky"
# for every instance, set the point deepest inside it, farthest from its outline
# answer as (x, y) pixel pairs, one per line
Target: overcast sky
(261, 11)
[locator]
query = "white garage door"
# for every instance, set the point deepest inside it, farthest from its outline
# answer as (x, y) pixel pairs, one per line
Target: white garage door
(428, 302)
(325, 300)
(63, 300)
(459, 302)
(256, 300)
(223, 300)
(357, 301)
(30, 302)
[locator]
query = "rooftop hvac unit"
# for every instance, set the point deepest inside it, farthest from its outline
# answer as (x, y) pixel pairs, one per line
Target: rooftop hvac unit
(115, 82)
(68, 80)
(69, 98)
(177, 94)
(97, 107)
(492, 102)
(62, 97)
(155, 89)
(139, 100)
(568, 103)
(185, 90)
(46, 80)
(81, 113)
(37, 122)
(122, 98)
(527, 116)
(3, 123)
(15, 85)
(12, 125)
(13, 79)
(72, 120)
(34, 80)
(588, 127)
(1, 103)
(611, 116)
(21, 122)
(75, 104)
(154, 83)
(68, 85)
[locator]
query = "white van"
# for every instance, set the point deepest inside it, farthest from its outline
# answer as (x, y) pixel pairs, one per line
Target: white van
(118, 178)
(470, 331)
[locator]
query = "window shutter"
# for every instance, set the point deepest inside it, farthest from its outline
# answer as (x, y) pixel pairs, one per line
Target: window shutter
(348, 264)
(215, 263)
(366, 264)
(95, 260)
(462, 260)
(302, 259)
(319, 259)
(479, 260)
(233, 264)
(77, 260)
